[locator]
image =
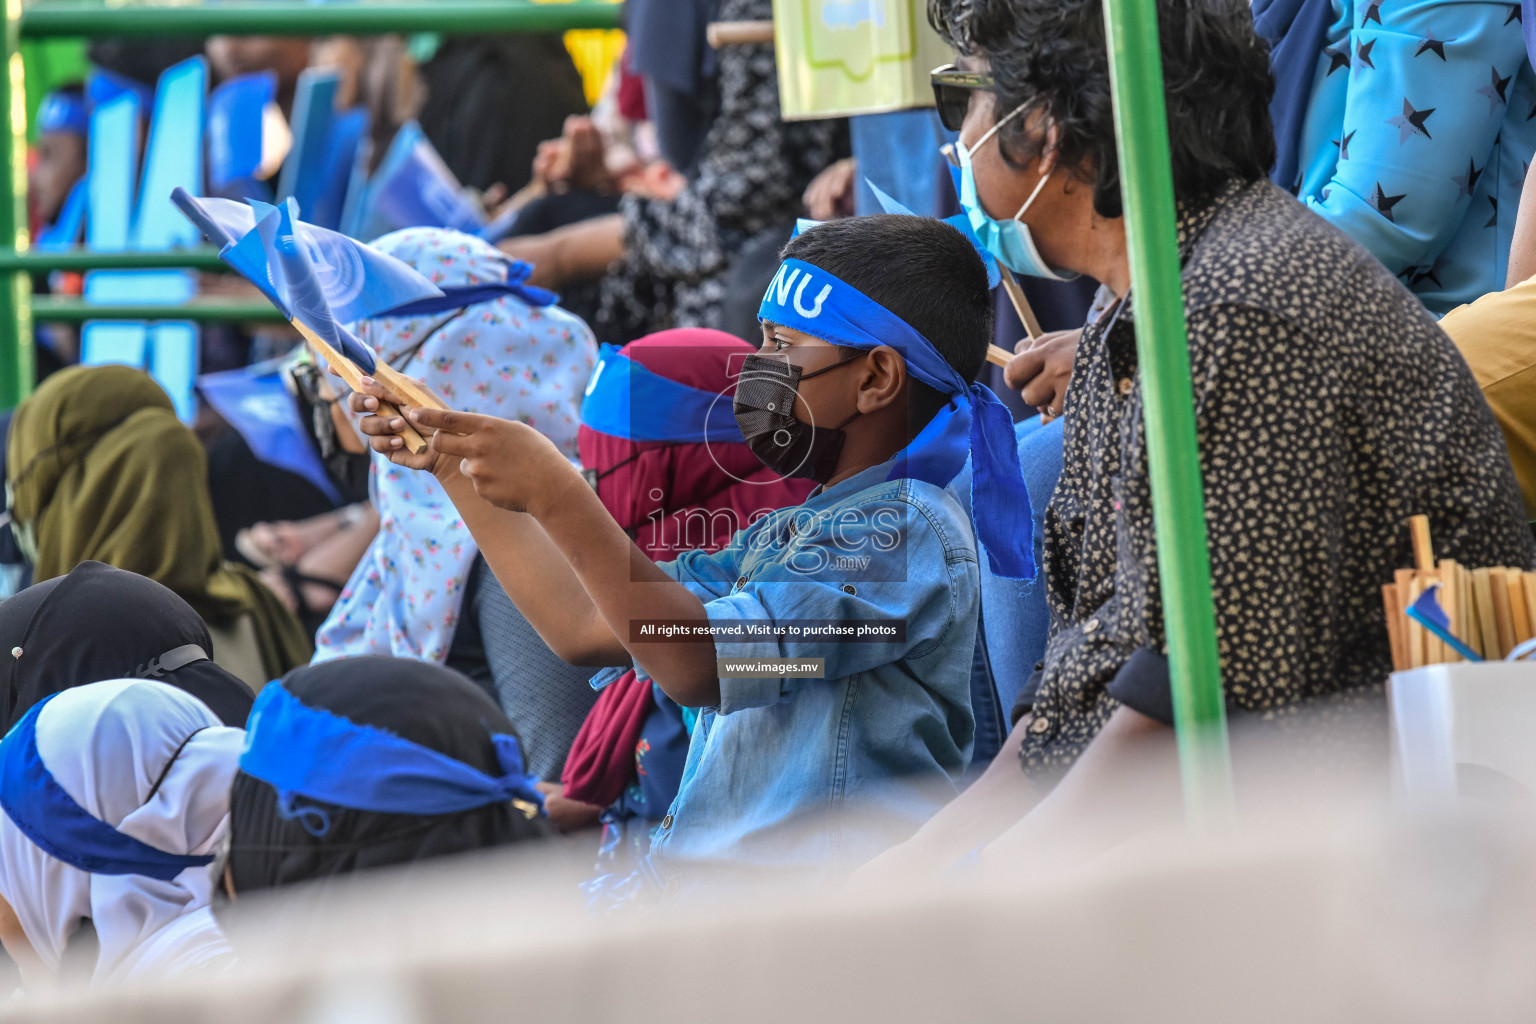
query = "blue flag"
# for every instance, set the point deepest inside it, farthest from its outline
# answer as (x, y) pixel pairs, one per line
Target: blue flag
(1426, 611)
(960, 222)
(306, 298)
(256, 403)
(358, 281)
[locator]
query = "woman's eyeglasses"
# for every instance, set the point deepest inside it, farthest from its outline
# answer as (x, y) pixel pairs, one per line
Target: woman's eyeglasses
(952, 90)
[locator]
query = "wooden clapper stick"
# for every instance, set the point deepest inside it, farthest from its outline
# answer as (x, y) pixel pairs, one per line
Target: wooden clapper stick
(412, 392)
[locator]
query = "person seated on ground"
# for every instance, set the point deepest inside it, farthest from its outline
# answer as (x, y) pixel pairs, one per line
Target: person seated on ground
(415, 594)
(99, 623)
(306, 564)
(873, 332)
(115, 799)
(63, 123)
(1407, 126)
(285, 57)
(660, 446)
(672, 256)
(1497, 337)
(1329, 407)
(310, 801)
(100, 469)
(55, 176)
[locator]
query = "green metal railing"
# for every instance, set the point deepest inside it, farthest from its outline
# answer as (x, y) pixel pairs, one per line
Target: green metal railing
(52, 309)
(283, 17)
(95, 19)
(42, 262)
(1162, 350)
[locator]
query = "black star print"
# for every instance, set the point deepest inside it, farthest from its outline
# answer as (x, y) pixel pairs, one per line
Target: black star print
(1429, 44)
(1336, 58)
(1343, 145)
(1373, 13)
(1426, 274)
(1383, 203)
(1494, 220)
(1495, 91)
(1514, 15)
(1363, 54)
(1411, 122)
(1466, 183)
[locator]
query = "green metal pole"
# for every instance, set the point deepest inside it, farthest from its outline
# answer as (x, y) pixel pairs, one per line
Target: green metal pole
(16, 370)
(304, 18)
(1162, 348)
(54, 309)
(203, 258)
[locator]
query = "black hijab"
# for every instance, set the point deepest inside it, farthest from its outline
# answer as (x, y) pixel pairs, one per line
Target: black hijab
(426, 704)
(100, 623)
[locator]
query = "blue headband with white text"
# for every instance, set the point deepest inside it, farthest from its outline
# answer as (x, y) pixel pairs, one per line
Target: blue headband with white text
(61, 828)
(977, 425)
(303, 751)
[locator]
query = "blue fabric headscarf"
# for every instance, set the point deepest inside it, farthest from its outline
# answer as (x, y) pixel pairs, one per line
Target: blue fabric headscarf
(60, 827)
(624, 399)
(976, 424)
(309, 752)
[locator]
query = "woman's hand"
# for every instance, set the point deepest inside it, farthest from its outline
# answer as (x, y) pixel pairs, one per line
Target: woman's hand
(1042, 370)
(511, 465)
(830, 193)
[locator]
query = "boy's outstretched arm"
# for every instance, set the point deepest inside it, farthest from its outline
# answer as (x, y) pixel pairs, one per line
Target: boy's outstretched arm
(523, 559)
(564, 562)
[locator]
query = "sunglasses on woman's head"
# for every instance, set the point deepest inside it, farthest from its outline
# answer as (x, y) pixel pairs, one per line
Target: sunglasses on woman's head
(952, 90)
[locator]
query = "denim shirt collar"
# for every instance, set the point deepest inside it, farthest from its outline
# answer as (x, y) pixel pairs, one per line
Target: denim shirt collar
(826, 497)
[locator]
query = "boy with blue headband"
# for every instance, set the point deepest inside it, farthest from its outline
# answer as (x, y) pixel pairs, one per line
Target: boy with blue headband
(873, 332)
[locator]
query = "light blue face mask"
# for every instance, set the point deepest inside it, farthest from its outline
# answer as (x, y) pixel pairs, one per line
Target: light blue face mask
(1009, 241)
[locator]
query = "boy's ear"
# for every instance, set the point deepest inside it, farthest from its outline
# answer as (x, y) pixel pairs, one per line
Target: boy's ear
(883, 381)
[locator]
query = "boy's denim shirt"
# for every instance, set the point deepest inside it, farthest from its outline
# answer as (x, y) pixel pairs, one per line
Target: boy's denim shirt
(812, 777)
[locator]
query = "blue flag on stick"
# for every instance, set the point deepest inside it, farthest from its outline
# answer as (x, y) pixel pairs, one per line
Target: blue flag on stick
(1426, 611)
(319, 279)
(960, 222)
(306, 295)
(357, 280)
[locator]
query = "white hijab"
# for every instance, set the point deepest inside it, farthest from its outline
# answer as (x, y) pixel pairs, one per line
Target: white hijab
(107, 745)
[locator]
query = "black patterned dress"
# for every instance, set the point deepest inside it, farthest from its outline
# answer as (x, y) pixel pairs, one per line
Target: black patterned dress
(754, 168)
(1329, 408)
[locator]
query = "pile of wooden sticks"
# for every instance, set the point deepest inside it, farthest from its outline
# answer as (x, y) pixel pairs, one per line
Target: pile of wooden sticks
(1490, 610)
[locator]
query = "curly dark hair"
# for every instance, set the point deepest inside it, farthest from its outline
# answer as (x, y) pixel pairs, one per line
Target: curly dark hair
(1050, 55)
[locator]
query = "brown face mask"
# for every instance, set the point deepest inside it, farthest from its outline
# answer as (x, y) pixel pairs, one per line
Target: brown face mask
(765, 411)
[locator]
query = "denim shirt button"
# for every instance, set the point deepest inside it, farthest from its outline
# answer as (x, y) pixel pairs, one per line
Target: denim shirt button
(848, 588)
(666, 822)
(1091, 626)
(741, 582)
(1040, 725)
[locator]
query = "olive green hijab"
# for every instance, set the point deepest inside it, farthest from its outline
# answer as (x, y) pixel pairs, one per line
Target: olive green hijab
(101, 469)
